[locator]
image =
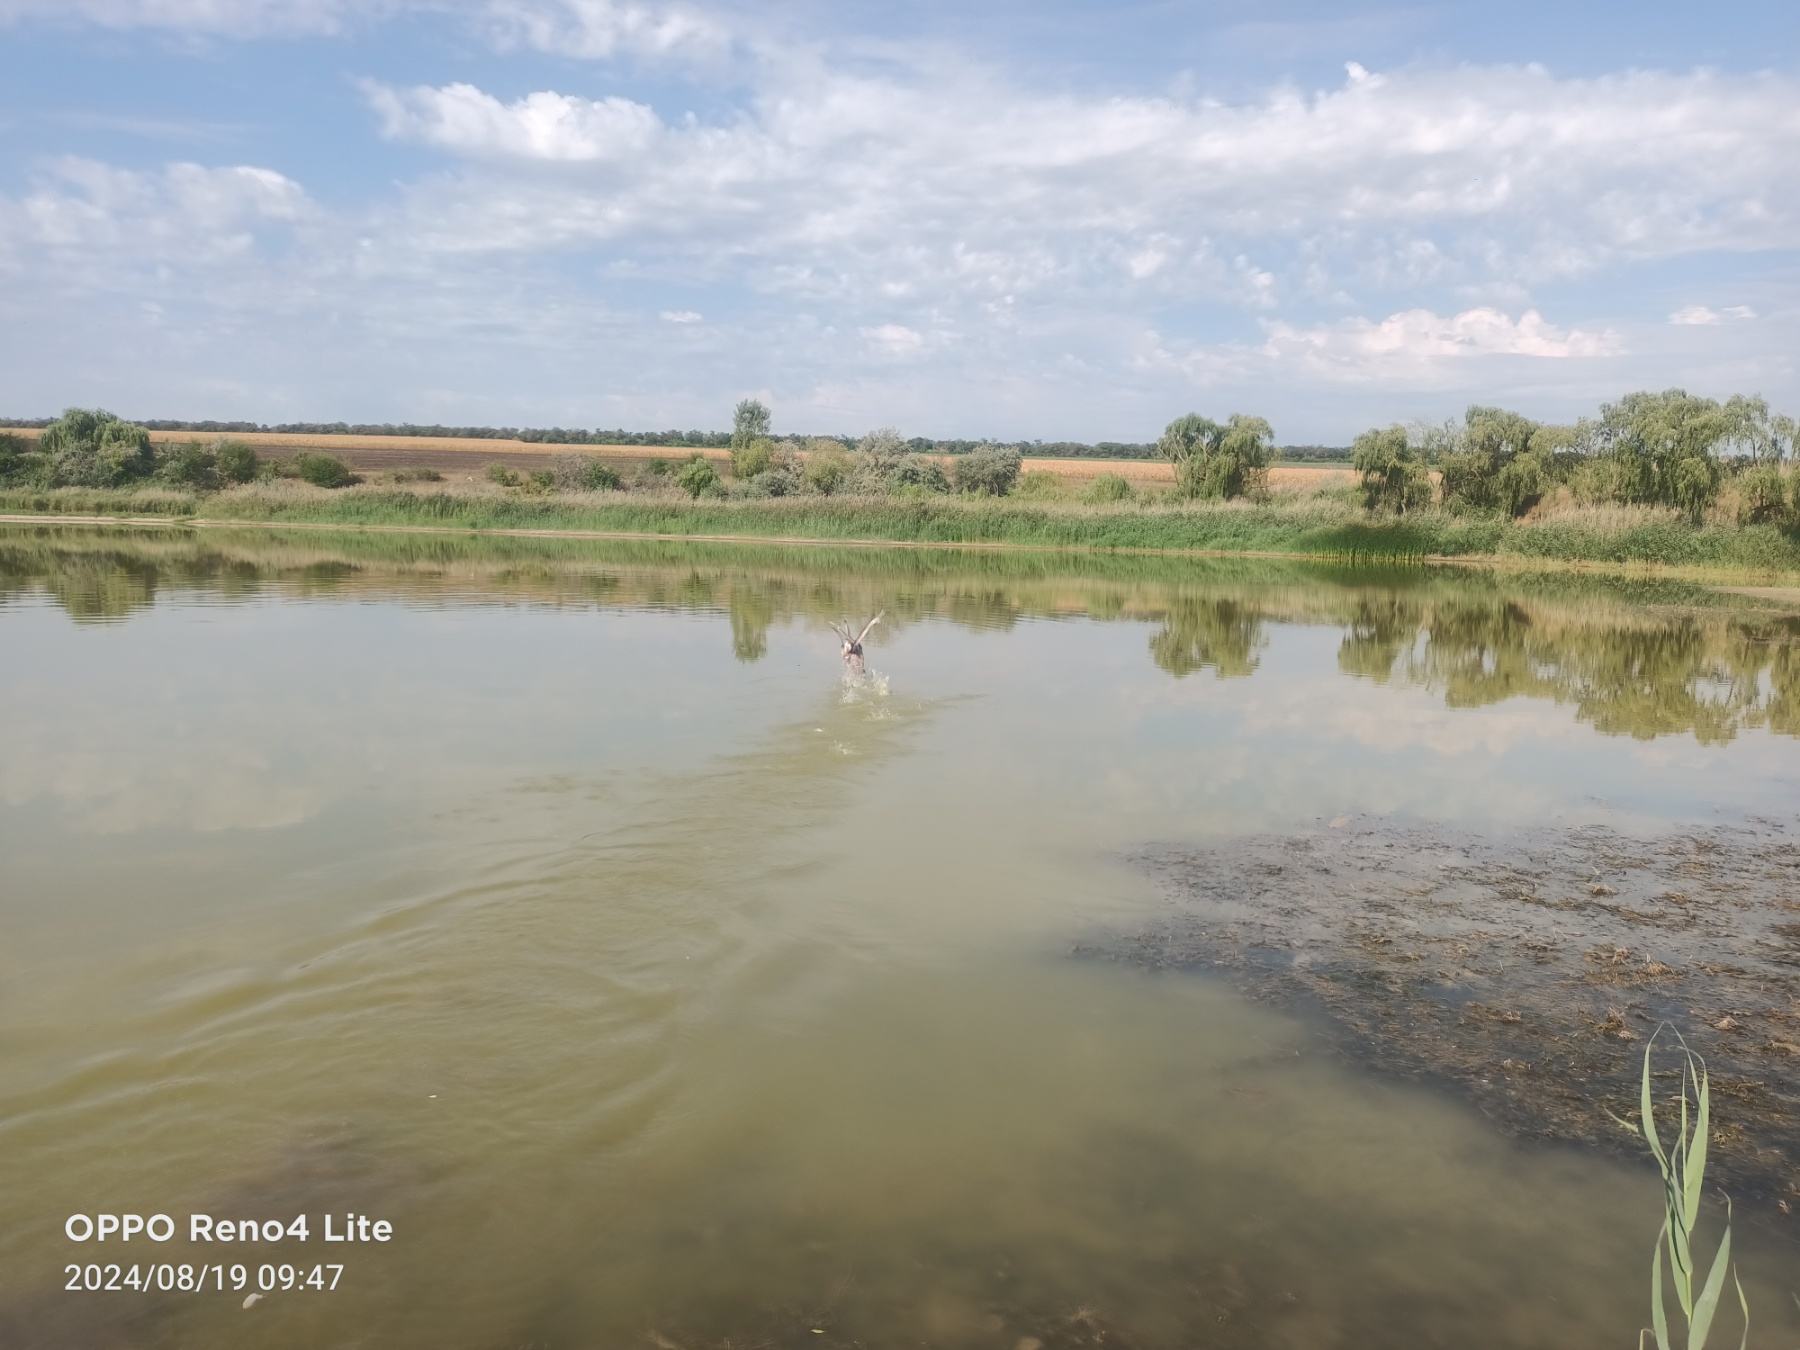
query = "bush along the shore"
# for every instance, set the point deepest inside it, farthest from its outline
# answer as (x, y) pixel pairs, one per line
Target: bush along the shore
(326, 471)
(91, 448)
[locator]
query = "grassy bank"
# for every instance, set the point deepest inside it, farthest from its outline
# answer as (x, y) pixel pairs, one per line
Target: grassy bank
(1319, 527)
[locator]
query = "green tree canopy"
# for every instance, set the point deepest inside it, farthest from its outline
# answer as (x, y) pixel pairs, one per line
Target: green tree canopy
(1394, 478)
(94, 448)
(1218, 461)
(1498, 461)
(1662, 449)
(749, 421)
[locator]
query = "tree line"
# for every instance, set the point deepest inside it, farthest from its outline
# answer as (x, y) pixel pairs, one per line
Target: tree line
(1670, 449)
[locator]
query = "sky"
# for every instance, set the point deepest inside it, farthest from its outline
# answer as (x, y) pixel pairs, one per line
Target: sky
(1054, 220)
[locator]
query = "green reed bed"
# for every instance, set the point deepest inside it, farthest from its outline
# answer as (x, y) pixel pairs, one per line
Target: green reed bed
(1313, 527)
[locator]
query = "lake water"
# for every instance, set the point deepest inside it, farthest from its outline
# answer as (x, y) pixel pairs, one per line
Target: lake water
(561, 905)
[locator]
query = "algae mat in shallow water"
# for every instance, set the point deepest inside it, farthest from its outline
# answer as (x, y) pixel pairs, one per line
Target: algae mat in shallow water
(560, 906)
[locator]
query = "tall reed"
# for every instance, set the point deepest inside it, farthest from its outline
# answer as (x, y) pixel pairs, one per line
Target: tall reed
(1683, 1168)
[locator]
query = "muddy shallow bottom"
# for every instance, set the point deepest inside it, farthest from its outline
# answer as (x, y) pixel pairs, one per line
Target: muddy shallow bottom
(1529, 970)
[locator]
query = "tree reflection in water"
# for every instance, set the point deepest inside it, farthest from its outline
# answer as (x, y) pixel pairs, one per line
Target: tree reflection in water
(1631, 658)
(1199, 633)
(1632, 674)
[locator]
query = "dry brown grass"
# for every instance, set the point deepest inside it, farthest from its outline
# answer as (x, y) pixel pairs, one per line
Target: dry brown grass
(1610, 518)
(1301, 479)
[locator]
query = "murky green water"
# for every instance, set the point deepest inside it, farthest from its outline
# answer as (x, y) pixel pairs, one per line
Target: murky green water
(561, 906)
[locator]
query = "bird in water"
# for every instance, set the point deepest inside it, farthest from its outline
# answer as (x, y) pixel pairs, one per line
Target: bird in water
(853, 649)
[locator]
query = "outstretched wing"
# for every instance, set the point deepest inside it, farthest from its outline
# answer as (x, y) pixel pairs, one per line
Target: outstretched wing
(870, 624)
(841, 629)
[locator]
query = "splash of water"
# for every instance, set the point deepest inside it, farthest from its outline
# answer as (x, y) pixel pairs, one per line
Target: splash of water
(870, 688)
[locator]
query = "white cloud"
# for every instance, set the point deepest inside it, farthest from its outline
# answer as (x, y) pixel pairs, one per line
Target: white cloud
(1699, 316)
(542, 126)
(896, 339)
(1411, 344)
(870, 237)
(1472, 176)
(598, 29)
(187, 212)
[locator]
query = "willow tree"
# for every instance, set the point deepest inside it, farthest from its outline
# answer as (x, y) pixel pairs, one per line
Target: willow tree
(1663, 449)
(95, 449)
(1499, 461)
(1219, 461)
(1394, 478)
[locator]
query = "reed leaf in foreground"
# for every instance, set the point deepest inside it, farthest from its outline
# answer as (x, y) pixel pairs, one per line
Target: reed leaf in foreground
(1683, 1168)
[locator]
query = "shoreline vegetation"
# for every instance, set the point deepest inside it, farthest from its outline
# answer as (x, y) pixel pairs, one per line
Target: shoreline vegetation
(1660, 481)
(1616, 539)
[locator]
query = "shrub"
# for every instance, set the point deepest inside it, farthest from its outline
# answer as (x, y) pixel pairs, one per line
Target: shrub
(1109, 487)
(1038, 483)
(235, 461)
(752, 457)
(782, 476)
(1762, 496)
(1393, 477)
(190, 466)
(418, 476)
(326, 471)
(698, 476)
(878, 456)
(828, 465)
(584, 473)
(918, 474)
(769, 483)
(988, 469)
(655, 473)
(540, 481)
(95, 449)
(499, 473)
(18, 462)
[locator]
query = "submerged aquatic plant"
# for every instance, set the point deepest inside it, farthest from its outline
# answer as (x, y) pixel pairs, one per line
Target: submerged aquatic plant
(1683, 1168)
